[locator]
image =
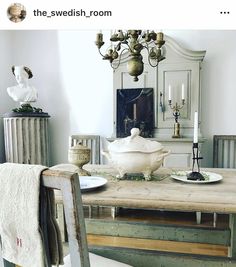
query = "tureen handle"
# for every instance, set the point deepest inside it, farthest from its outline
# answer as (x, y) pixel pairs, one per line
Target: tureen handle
(134, 132)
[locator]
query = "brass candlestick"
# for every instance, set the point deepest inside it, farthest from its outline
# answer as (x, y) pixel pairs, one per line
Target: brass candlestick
(176, 113)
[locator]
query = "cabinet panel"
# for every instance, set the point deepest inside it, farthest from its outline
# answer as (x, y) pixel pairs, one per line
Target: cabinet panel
(175, 75)
(175, 79)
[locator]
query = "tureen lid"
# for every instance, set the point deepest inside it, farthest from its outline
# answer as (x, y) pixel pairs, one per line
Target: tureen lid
(134, 143)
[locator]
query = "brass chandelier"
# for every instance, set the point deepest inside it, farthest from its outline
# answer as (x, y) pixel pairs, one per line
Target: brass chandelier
(133, 42)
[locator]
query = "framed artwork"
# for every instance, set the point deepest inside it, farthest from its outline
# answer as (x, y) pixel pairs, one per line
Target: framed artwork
(135, 109)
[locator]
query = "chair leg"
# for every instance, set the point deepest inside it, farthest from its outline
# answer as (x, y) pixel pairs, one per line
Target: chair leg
(90, 211)
(61, 220)
(214, 219)
(198, 217)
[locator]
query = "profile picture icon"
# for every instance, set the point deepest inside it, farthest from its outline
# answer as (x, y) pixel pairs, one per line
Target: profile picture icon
(16, 12)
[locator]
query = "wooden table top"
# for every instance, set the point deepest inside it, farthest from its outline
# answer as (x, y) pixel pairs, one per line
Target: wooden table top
(164, 193)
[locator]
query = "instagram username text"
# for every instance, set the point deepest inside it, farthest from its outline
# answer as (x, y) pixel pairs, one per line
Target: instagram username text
(72, 13)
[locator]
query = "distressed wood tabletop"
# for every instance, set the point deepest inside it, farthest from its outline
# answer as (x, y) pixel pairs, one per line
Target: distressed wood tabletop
(164, 192)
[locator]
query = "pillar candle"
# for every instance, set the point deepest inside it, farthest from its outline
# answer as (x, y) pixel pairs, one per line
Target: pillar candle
(195, 130)
(169, 92)
(182, 91)
(135, 111)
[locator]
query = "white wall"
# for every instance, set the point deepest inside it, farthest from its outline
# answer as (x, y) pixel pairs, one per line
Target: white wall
(75, 84)
(5, 67)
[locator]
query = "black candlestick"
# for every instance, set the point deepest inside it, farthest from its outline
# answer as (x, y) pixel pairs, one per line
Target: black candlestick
(195, 174)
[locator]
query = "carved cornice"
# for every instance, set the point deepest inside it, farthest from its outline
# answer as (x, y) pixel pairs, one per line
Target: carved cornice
(179, 50)
(184, 52)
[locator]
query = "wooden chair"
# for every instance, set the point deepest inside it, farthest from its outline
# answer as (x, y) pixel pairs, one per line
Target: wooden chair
(79, 256)
(92, 142)
(224, 155)
(224, 151)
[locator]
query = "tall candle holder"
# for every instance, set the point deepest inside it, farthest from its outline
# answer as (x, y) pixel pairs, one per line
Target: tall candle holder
(176, 113)
(195, 174)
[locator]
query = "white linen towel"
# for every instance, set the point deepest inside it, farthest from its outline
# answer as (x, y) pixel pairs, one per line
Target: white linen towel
(19, 214)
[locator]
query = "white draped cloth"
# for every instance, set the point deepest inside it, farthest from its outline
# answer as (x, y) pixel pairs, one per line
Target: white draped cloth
(19, 214)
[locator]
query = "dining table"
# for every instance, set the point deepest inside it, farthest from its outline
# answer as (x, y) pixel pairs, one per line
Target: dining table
(164, 193)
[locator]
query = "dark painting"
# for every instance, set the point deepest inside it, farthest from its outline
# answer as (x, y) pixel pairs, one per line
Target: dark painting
(135, 109)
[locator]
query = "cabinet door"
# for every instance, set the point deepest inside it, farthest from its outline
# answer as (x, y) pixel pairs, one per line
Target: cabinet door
(122, 80)
(181, 153)
(175, 75)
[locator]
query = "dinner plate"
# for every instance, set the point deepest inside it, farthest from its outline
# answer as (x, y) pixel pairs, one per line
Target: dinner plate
(91, 182)
(210, 177)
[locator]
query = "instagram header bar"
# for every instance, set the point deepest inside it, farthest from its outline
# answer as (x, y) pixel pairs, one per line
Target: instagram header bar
(104, 14)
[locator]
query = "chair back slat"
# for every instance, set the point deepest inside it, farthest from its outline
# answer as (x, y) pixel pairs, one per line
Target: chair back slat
(224, 151)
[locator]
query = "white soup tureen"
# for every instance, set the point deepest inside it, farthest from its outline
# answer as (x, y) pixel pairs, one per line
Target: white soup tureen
(135, 154)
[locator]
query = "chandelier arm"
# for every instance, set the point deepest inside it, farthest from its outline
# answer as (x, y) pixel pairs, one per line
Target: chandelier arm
(146, 46)
(114, 68)
(100, 52)
(128, 46)
(149, 61)
(121, 43)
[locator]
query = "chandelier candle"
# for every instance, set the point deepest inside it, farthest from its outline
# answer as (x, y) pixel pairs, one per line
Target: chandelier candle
(99, 40)
(160, 36)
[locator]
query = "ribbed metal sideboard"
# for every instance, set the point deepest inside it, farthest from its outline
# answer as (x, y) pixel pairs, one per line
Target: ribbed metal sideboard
(26, 139)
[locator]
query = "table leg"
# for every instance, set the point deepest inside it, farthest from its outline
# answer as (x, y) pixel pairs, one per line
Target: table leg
(214, 219)
(114, 212)
(232, 226)
(198, 217)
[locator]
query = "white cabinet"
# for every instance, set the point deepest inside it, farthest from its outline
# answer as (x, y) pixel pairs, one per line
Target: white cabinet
(181, 66)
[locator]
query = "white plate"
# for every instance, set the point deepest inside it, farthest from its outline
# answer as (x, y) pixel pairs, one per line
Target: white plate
(91, 182)
(210, 177)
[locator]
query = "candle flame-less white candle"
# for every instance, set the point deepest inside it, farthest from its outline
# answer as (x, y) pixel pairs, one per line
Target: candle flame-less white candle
(169, 92)
(195, 129)
(182, 91)
(135, 111)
